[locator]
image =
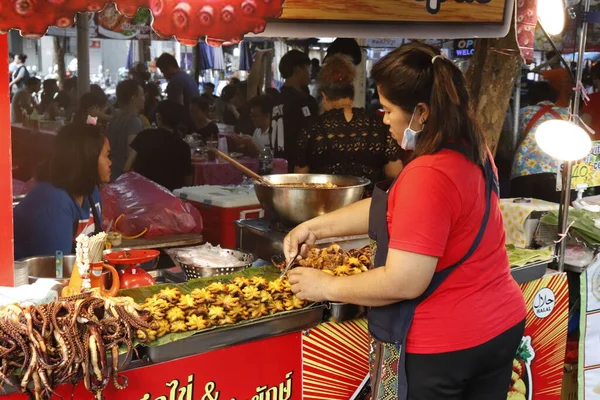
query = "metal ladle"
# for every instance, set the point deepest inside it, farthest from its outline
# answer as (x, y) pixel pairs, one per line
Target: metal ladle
(245, 170)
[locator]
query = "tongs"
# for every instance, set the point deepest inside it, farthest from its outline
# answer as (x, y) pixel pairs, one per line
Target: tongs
(289, 266)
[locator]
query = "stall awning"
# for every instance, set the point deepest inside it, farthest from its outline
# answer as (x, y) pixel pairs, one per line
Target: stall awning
(188, 21)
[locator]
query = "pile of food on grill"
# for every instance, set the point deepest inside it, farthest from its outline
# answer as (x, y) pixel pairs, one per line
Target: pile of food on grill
(218, 304)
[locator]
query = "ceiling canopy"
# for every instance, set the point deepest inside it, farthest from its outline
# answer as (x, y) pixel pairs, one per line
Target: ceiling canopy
(186, 20)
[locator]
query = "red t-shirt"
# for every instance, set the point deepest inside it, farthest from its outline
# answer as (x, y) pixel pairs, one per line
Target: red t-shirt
(436, 208)
(593, 108)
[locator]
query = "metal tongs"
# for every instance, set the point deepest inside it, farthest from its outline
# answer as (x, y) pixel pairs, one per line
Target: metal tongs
(291, 263)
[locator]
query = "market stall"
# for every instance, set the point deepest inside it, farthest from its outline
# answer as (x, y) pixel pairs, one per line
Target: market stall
(191, 334)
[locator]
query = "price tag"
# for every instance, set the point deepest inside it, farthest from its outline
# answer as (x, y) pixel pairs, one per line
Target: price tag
(586, 171)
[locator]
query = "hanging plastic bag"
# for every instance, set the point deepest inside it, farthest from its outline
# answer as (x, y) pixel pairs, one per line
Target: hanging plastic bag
(146, 206)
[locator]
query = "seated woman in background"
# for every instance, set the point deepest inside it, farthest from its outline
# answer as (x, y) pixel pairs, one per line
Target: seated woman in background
(346, 140)
(66, 201)
(161, 155)
(92, 105)
(226, 111)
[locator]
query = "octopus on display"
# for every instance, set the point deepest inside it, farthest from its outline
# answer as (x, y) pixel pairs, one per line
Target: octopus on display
(67, 341)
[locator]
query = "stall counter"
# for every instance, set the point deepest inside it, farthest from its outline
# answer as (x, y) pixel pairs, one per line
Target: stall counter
(331, 361)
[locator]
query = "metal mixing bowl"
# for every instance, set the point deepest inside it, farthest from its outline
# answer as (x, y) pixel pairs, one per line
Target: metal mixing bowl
(45, 267)
(294, 205)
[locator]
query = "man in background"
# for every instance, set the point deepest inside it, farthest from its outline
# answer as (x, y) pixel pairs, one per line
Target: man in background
(23, 102)
(295, 108)
(182, 87)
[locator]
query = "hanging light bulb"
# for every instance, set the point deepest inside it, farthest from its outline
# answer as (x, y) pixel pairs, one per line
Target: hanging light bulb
(551, 15)
(563, 140)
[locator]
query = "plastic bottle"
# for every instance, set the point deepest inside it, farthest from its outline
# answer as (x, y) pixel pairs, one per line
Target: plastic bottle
(265, 161)
(222, 146)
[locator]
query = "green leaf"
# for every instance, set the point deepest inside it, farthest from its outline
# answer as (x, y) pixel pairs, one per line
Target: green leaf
(142, 293)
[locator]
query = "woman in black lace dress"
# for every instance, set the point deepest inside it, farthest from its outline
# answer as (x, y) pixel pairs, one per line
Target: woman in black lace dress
(346, 140)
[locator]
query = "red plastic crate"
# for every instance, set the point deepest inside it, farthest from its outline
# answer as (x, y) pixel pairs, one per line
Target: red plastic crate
(220, 207)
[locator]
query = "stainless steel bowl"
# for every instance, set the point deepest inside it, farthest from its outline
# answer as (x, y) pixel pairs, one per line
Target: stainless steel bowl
(45, 267)
(294, 205)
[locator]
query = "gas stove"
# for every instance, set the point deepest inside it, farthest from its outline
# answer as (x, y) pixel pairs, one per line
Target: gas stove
(263, 237)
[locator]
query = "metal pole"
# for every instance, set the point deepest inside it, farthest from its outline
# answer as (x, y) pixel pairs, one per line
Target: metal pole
(567, 170)
(516, 111)
(83, 54)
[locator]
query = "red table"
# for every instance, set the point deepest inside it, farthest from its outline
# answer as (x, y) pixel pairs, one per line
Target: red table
(221, 173)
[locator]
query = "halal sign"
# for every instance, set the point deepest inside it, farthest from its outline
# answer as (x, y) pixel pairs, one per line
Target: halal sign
(464, 47)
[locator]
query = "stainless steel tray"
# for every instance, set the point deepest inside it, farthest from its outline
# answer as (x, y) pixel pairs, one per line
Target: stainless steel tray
(530, 272)
(225, 337)
(340, 312)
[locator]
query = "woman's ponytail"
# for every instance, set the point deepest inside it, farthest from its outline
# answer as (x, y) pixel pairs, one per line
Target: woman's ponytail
(417, 73)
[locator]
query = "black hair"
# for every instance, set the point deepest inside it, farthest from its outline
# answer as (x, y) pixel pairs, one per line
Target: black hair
(97, 91)
(22, 57)
(336, 78)
(290, 61)
(542, 91)
(31, 82)
(345, 46)
(172, 114)
(264, 103)
(74, 163)
(70, 84)
(595, 71)
(126, 90)
(272, 93)
(412, 74)
(229, 92)
(209, 84)
(201, 103)
(235, 81)
(87, 102)
(11, 56)
(166, 61)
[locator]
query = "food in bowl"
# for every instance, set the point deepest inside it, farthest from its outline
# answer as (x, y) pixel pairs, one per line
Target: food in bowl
(306, 185)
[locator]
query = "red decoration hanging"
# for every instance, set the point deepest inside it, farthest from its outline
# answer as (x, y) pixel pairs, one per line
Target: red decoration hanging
(526, 23)
(186, 20)
(220, 20)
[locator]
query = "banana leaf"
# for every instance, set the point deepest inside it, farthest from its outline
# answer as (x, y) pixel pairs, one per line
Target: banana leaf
(520, 257)
(582, 224)
(140, 294)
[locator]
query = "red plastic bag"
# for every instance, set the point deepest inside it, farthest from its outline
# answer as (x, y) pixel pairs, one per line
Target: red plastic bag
(146, 204)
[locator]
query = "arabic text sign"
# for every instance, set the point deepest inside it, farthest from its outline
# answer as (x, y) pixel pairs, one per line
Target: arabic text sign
(458, 11)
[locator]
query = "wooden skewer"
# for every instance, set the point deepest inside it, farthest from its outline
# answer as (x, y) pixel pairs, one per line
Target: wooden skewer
(245, 170)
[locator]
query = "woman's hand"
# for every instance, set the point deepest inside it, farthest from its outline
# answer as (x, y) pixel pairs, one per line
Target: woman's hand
(300, 238)
(310, 284)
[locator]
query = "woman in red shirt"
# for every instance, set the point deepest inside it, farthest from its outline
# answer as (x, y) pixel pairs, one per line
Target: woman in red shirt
(446, 315)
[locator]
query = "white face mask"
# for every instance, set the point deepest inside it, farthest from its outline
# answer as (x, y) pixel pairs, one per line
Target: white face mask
(409, 141)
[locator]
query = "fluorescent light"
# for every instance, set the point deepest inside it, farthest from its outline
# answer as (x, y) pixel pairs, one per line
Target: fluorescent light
(563, 140)
(236, 52)
(551, 15)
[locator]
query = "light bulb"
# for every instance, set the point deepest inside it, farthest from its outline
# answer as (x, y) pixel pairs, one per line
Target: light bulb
(563, 140)
(551, 15)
